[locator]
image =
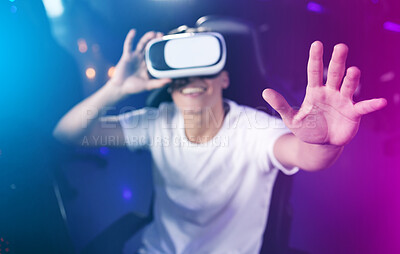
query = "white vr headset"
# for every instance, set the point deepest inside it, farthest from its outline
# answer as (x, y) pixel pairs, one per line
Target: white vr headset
(186, 55)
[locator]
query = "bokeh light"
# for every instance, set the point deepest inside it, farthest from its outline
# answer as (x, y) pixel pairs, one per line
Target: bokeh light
(392, 26)
(111, 71)
(82, 45)
(315, 7)
(90, 73)
(104, 150)
(127, 194)
(13, 9)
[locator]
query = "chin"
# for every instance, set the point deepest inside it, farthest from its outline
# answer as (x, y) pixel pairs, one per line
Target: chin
(196, 105)
(192, 108)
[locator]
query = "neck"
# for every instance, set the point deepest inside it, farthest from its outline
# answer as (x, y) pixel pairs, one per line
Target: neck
(201, 126)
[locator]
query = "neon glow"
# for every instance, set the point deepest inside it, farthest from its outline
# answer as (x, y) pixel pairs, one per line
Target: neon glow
(104, 150)
(127, 194)
(391, 26)
(314, 7)
(54, 8)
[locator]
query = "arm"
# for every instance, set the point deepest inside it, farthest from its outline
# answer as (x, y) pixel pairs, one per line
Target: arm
(328, 118)
(84, 124)
(309, 157)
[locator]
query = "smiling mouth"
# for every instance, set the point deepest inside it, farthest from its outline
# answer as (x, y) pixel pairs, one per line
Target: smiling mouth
(193, 90)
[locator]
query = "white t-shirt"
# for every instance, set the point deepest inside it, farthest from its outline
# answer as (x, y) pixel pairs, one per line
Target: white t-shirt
(212, 197)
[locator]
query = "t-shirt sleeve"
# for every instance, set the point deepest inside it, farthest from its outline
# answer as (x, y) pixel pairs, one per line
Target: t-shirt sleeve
(138, 127)
(274, 161)
(268, 130)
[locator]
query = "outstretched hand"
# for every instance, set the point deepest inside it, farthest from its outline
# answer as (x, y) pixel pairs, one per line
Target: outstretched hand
(131, 72)
(328, 114)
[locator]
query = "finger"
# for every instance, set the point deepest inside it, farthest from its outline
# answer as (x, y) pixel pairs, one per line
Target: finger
(337, 66)
(128, 44)
(350, 82)
(368, 106)
(315, 67)
(157, 83)
(144, 40)
(279, 103)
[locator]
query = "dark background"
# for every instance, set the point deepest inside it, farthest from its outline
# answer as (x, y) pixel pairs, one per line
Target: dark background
(352, 207)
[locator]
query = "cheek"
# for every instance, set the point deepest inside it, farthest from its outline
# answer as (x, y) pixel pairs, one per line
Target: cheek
(176, 97)
(180, 100)
(214, 92)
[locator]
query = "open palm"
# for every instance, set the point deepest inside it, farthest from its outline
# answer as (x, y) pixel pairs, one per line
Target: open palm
(328, 114)
(131, 71)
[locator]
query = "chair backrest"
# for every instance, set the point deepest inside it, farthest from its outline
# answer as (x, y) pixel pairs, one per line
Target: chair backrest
(277, 232)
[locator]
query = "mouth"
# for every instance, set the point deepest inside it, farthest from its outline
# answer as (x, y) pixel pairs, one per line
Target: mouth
(193, 91)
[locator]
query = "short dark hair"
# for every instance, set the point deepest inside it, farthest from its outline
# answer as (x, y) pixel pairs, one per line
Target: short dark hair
(186, 29)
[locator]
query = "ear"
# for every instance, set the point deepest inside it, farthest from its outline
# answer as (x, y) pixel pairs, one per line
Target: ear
(224, 78)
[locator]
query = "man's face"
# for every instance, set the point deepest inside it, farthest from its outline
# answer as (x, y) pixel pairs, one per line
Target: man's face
(196, 94)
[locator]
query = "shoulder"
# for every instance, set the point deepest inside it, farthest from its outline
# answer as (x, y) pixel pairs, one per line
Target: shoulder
(167, 109)
(148, 116)
(164, 110)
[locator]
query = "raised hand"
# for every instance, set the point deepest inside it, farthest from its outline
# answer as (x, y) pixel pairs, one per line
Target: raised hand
(328, 114)
(131, 73)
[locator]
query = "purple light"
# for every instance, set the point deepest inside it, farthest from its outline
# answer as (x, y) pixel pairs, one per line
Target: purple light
(104, 150)
(127, 194)
(314, 7)
(375, 1)
(391, 26)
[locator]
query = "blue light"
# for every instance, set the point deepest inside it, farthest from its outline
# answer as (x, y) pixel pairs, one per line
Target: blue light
(314, 7)
(54, 8)
(104, 150)
(13, 9)
(127, 194)
(12, 1)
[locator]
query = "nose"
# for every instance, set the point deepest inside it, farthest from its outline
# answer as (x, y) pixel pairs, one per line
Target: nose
(178, 83)
(192, 79)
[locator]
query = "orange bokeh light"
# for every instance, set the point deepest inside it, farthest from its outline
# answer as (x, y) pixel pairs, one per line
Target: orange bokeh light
(90, 73)
(111, 71)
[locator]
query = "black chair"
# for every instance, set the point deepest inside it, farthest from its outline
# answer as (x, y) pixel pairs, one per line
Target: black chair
(245, 65)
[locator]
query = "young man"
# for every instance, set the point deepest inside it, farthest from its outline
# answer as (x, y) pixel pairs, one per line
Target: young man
(215, 161)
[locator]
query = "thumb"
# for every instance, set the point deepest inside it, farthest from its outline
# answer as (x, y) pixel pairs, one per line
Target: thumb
(277, 102)
(369, 106)
(157, 83)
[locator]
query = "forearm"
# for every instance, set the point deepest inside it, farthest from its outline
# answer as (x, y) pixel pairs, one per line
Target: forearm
(312, 157)
(291, 151)
(81, 118)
